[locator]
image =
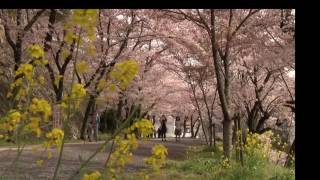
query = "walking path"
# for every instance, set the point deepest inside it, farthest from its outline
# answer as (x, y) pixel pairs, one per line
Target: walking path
(71, 153)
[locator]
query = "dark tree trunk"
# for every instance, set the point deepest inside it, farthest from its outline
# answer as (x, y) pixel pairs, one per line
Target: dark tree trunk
(200, 114)
(240, 140)
(184, 127)
(108, 122)
(235, 140)
(210, 132)
(119, 110)
(252, 117)
(262, 121)
(90, 105)
(192, 126)
(197, 130)
(235, 129)
(17, 56)
(214, 134)
(17, 46)
(222, 71)
(59, 92)
(227, 137)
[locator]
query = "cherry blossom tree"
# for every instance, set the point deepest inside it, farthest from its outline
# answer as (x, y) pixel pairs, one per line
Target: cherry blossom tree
(206, 64)
(228, 36)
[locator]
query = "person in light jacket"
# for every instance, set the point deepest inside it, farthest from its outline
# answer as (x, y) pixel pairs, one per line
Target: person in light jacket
(178, 128)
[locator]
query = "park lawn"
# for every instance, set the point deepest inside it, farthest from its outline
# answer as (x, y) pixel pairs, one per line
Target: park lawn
(4, 143)
(203, 163)
(37, 141)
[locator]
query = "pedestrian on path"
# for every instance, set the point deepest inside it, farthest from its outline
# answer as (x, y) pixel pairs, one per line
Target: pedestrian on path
(97, 125)
(178, 128)
(163, 128)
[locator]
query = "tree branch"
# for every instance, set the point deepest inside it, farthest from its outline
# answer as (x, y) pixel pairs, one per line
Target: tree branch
(8, 36)
(243, 21)
(33, 20)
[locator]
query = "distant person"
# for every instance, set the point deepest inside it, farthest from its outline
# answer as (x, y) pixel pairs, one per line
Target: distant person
(163, 128)
(154, 126)
(159, 132)
(97, 125)
(178, 128)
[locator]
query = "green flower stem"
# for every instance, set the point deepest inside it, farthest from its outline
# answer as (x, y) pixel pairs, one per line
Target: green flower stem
(111, 150)
(63, 139)
(118, 131)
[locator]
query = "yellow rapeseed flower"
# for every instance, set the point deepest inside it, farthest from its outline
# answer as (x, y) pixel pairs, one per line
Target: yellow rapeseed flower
(16, 83)
(101, 85)
(93, 176)
(144, 126)
(34, 126)
(112, 87)
(41, 80)
(57, 80)
(124, 72)
(36, 51)
(21, 93)
(82, 67)
(11, 121)
(39, 162)
(26, 70)
(78, 91)
(158, 157)
(91, 50)
(146, 177)
(34, 149)
(40, 107)
(49, 154)
(54, 137)
(14, 116)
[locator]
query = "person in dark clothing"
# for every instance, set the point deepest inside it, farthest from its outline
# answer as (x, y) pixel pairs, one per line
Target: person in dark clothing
(159, 132)
(163, 128)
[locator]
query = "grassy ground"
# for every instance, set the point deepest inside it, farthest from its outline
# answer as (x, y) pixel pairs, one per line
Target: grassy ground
(205, 163)
(35, 141)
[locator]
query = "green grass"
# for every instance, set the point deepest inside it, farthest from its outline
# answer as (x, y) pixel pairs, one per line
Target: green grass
(26, 141)
(35, 141)
(103, 136)
(205, 163)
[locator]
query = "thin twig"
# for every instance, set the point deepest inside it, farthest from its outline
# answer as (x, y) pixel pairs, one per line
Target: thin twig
(118, 131)
(111, 149)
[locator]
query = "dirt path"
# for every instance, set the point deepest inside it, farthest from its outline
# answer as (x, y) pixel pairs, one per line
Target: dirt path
(71, 153)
